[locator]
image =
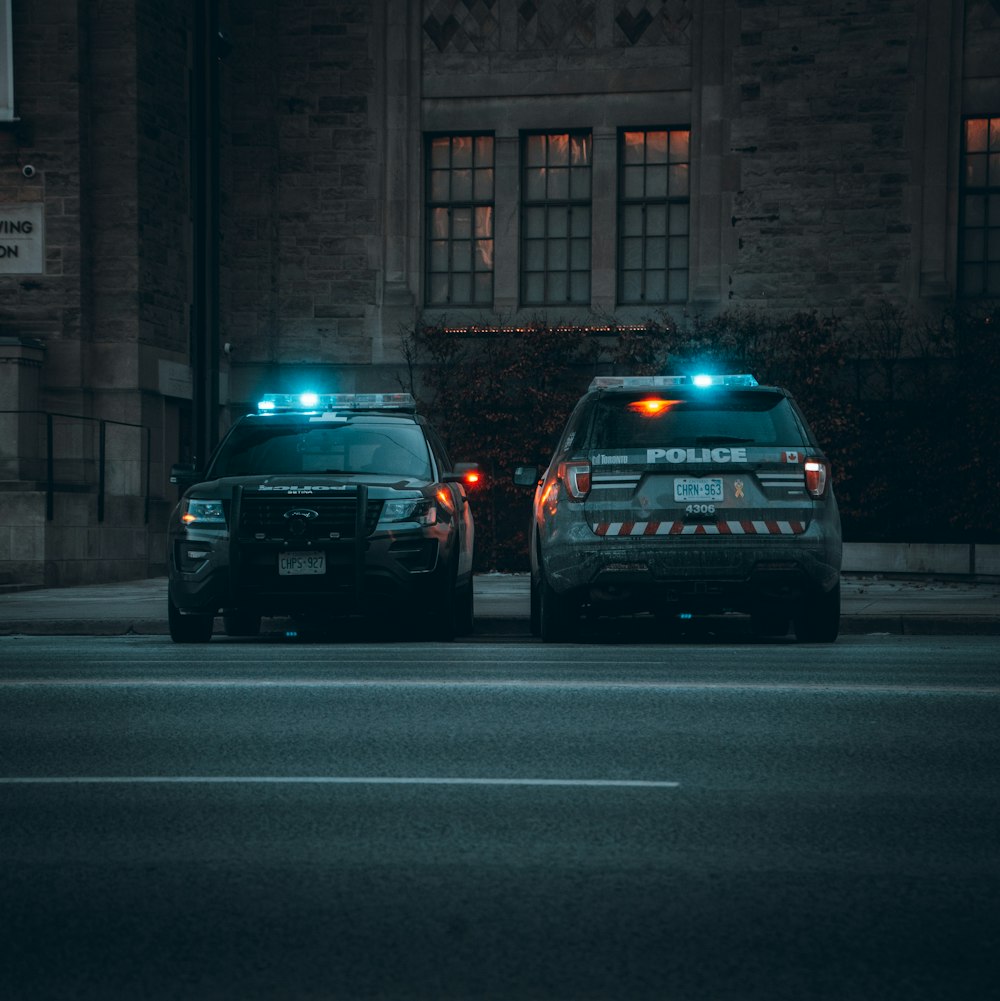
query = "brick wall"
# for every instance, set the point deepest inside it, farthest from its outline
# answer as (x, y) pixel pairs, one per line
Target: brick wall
(822, 99)
(303, 211)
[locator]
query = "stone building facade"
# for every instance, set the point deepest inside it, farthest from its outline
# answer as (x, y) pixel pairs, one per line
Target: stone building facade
(202, 200)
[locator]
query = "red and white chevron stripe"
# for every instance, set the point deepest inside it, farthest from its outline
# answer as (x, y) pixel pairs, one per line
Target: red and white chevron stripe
(636, 528)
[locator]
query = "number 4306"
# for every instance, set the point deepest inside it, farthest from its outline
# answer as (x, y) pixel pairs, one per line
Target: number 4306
(700, 509)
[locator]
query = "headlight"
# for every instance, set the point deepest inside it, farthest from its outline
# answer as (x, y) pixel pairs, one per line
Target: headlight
(419, 509)
(203, 513)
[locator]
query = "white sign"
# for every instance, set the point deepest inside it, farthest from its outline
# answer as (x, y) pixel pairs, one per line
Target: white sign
(22, 239)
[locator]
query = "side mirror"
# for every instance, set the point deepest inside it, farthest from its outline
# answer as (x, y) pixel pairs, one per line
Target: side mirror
(184, 474)
(526, 476)
(466, 473)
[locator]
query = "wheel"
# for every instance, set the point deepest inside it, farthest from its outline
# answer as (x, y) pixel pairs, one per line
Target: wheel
(465, 612)
(557, 614)
(818, 618)
(535, 613)
(188, 628)
(240, 622)
(769, 622)
(443, 608)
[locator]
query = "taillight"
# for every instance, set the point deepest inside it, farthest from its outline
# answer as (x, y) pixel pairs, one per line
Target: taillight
(576, 476)
(817, 476)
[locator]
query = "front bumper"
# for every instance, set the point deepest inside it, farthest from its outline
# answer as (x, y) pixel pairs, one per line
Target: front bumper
(390, 566)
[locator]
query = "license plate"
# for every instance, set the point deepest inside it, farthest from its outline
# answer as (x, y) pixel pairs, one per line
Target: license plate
(698, 490)
(295, 564)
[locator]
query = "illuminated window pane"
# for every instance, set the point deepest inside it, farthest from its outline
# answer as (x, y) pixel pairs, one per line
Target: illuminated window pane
(633, 147)
(461, 185)
(656, 147)
(483, 185)
(461, 223)
(484, 220)
(484, 255)
(680, 142)
(459, 220)
(976, 133)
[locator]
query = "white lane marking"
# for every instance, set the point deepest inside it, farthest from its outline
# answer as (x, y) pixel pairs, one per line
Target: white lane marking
(566, 685)
(329, 780)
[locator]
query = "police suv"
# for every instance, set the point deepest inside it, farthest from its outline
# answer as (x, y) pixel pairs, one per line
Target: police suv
(318, 507)
(682, 496)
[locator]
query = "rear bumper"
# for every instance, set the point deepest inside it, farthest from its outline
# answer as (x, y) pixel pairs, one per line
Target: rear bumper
(705, 573)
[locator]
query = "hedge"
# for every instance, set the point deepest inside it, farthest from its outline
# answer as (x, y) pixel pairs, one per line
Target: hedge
(906, 409)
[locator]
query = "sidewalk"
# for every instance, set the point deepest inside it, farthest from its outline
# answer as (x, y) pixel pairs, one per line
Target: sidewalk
(871, 604)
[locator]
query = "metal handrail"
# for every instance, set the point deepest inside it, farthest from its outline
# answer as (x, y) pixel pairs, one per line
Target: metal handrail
(102, 457)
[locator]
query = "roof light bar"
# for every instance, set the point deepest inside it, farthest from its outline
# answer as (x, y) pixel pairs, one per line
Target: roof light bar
(275, 402)
(670, 381)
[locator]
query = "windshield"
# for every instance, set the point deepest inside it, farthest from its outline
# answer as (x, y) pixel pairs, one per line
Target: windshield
(658, 419)
(324, 447)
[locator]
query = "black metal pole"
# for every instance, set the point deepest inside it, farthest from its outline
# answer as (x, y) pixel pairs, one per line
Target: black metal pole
(102, 452)
(205, 199)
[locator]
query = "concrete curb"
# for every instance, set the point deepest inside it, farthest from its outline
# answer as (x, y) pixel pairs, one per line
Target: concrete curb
(510, 627)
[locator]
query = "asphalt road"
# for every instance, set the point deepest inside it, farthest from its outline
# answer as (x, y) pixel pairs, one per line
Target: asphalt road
(701, 820)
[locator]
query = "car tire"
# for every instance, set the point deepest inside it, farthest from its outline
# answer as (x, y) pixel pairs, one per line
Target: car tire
(818, 618)
(534, 612)
(557, 614)
(239, 622)
(769, 622)
(465, 613)
(442, 611)
(192, 628)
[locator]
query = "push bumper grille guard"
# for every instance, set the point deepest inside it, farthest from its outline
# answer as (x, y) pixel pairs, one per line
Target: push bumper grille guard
(349, 510)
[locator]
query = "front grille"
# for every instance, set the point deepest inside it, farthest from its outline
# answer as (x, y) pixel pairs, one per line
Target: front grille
(322, 518)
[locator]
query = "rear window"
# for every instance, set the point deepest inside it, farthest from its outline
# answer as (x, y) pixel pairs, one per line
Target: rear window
(660, 419)
(323, 447)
